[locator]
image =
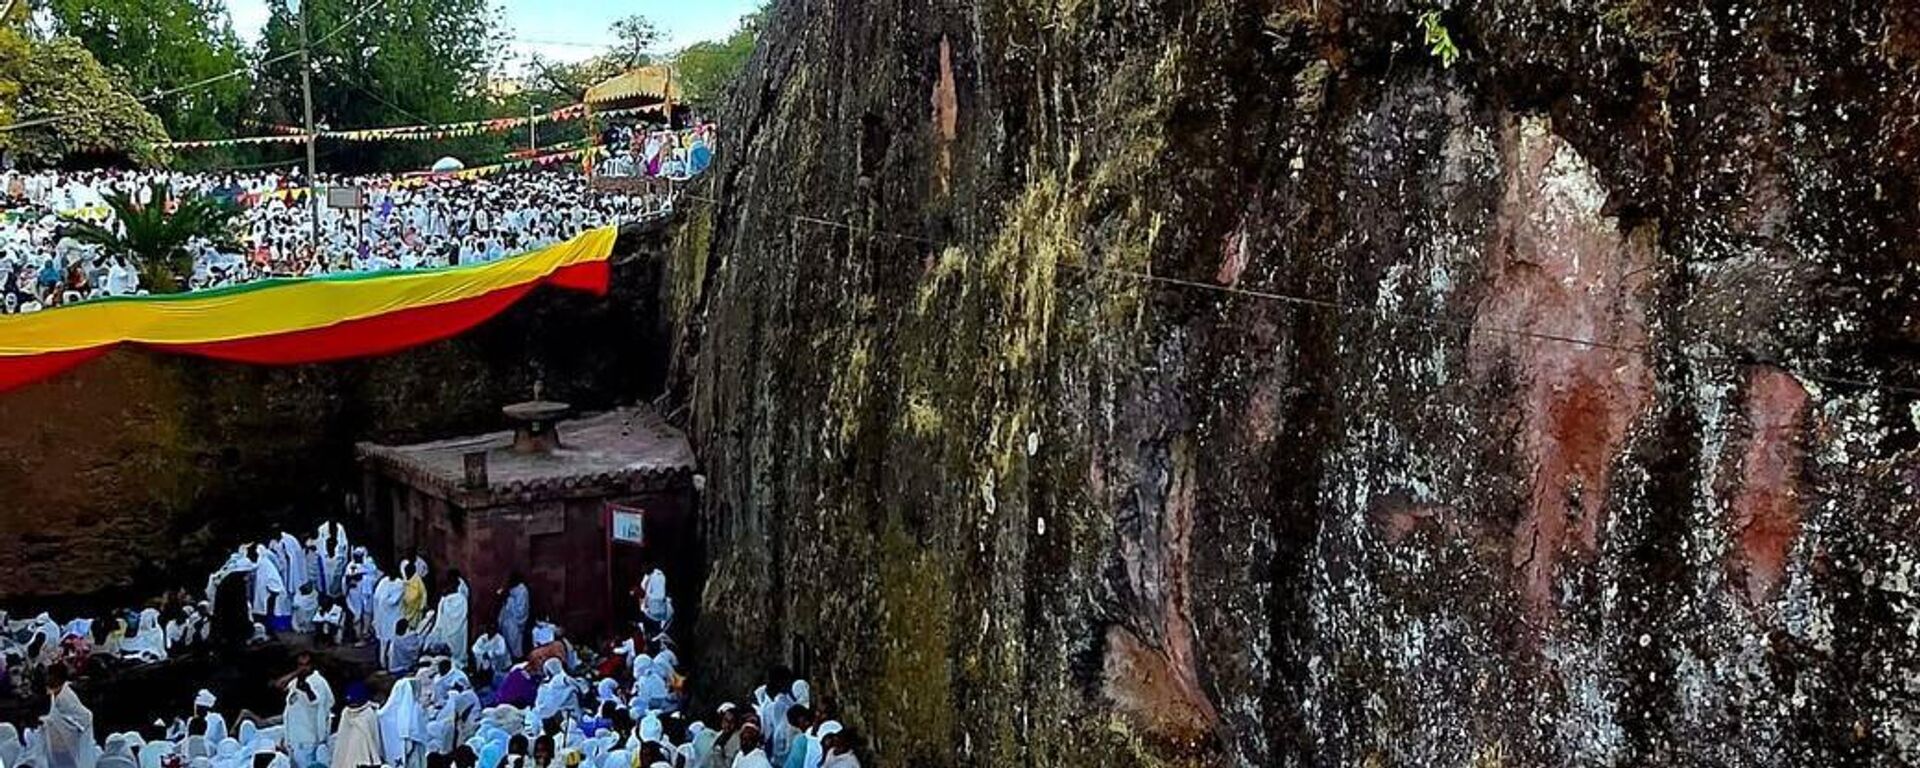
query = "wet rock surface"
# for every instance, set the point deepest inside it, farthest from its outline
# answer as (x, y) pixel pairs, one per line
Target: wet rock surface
(1101, 383)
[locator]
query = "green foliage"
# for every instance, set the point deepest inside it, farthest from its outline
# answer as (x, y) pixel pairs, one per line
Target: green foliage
(13, 59)
(635, 37)
(405, 61)
(154, 239)
(60, 78)
(159, 45)
(1439, 41)
(706, 69)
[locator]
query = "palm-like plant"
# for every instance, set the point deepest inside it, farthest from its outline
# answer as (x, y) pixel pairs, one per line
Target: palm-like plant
(155, 239)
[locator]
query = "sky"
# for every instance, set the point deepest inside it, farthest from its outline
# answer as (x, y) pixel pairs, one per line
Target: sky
(570, 30)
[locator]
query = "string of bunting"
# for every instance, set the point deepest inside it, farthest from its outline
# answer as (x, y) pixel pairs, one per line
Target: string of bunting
(429, 132)
(489, 170)
(522, 154)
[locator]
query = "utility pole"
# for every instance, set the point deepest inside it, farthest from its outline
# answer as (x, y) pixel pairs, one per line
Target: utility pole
(306, 93)
(533, 143)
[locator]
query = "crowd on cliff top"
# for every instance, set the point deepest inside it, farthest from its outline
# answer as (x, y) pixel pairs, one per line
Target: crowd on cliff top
(410, 221)
(521, 694)
(436, 222)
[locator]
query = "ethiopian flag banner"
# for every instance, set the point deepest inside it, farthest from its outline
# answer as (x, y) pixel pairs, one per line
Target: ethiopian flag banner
(299, 320)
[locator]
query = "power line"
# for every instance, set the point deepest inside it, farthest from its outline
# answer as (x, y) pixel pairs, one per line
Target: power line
(1339, 306)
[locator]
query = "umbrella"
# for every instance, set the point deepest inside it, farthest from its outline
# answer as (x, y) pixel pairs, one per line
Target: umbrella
(447, 165)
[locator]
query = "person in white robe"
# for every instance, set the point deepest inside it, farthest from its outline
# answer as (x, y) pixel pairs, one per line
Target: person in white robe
(207, 725)
(269, 590)
(557, 695)
(148, 642)
(403, 727)
(333, 548)
(329, 621)
(67, 726)
(514, 613)
(295, 555)
(490, 654)
(658, 605)
(306, 603)
(359, 600)
(155, 754)
(752, 749)
(357, 742)
(10, 745)
(450, 624)
(302, 718)
(387, 609)
(455, 721)
(117, 753)
(650, 689)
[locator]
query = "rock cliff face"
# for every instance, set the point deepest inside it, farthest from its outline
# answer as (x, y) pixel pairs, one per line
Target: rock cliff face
(1097, 382)
(137, 471)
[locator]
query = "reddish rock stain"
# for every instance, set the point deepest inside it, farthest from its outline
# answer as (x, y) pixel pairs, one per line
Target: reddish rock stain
(1233, 257)
(946, 113)
(1151, 670)
(1562, 270)
(1765, 509)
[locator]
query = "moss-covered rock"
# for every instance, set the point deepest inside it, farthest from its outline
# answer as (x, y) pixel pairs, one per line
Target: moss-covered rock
(1236, 383)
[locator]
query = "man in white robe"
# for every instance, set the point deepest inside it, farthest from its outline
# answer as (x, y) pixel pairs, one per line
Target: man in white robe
(301, 718)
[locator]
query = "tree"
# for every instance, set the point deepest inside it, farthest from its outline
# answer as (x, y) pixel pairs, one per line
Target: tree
(559, 82)
(14, 52)
(69, 107)
(706, 69)
(394, 62)
(158, 45)
(634, 37)
(154, 239)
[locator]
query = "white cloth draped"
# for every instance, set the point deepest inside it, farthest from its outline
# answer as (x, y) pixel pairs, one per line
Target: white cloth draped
(68, 731)
(403, 724)
(387, 610)
(450, 626)
(357, 743)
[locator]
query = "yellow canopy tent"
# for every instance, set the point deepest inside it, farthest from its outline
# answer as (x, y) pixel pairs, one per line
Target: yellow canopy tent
(639, 87)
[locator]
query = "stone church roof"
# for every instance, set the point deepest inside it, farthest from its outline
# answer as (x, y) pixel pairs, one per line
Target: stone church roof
(628, 450)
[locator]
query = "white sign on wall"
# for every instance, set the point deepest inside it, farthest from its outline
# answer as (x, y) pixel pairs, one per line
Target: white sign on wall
(627, 526)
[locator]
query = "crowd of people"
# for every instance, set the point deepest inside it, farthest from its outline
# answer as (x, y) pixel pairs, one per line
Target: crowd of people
(636, 151)
(408, 222)
(521, 694)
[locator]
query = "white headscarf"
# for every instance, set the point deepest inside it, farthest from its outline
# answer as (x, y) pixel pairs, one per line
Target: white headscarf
(556, 695)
